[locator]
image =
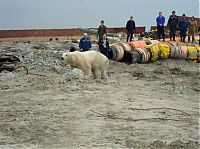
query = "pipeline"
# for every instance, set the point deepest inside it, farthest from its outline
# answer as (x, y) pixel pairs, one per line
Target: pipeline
(151, 51)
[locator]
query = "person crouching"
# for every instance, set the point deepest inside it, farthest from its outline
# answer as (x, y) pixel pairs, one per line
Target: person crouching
(104, 45)
(85, 43)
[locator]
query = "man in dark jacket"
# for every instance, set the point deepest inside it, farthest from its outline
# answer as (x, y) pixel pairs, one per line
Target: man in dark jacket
(104, 45)
(183, 26)
(101, 30)
(130, 27)
(173, 25)
(160, 20)
(199, 34)
(85, 44)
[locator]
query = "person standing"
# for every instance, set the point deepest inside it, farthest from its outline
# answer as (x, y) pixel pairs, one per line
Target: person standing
(104, 45)
(160, 20)
(192, 28)
(130, 27)
(101, 30)
(199, 34)
(85, 44)
(183, 26)
(173, 25)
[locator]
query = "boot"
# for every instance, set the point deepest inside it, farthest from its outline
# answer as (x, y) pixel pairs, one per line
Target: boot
(188, 39)
(181, 39)
(192, 39)
(127, 39)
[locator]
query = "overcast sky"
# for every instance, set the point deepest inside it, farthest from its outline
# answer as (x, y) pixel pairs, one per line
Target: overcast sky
(29, 14)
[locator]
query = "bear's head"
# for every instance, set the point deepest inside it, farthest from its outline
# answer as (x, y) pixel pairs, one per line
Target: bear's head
(68, 57)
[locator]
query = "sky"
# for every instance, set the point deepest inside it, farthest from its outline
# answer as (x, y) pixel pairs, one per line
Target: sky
(36, 14)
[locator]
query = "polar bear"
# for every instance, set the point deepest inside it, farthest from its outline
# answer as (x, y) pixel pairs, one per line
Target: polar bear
(89, 62)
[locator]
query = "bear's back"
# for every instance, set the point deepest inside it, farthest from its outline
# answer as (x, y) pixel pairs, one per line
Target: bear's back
(95, 55)
(96, 59)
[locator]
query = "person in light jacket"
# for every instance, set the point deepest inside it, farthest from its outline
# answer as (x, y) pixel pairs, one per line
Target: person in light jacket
(192, 28)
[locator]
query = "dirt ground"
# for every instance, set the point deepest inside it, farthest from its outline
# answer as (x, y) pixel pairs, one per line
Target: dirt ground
(137, 107)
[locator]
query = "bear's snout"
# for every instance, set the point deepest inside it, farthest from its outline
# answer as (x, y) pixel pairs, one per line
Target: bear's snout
(62, 58)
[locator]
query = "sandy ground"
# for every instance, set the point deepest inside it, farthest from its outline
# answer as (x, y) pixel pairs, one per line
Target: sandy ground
(136, 107)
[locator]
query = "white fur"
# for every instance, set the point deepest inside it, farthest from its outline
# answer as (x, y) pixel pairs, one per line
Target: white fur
(89, 62)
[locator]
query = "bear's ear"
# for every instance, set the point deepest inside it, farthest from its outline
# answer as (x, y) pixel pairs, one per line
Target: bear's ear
(70, 56)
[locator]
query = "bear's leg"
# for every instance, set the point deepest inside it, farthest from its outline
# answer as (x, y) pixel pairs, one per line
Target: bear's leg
(87, 71)
(103, 74)
(71, 67)
(97, 73)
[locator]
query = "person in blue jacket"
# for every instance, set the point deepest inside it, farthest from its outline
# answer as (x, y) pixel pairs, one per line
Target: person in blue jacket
(183, 26)
(85, 44)
(160, 20)
(173, 25)
(104, 46)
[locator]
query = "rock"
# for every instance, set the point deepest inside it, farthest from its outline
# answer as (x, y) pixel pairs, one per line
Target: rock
(177, 144)
(4, 87)
(75, 40)
(58, 69)
(157, 144)
(95, 49)
(131, 143)
(94, 41)
(113, 39)
(74, 74)
(89, 31)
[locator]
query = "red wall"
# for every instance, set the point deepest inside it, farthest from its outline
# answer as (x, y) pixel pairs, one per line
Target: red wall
(117, 30)
(54, 32)
(39, 33)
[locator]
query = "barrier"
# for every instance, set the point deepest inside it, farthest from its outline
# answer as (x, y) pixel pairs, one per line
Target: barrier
(192, 52)
(126, 47)
(145, 55)
(119, 51)
(139, 52)
(137, 44)
(155, 52)
(183, 52)
(164, 50)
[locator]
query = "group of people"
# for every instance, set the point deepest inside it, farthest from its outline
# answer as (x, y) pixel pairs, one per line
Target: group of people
(104, 47)
(85, 43)
(183, 25)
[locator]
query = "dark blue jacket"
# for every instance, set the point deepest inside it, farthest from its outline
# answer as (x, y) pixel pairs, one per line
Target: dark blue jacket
(160, 20)
(173, 20)
(130, 26)
(183, 25)
(85, 43)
